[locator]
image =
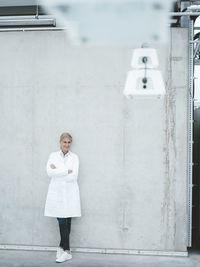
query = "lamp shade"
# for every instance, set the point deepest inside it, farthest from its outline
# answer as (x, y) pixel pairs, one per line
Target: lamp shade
(136, 86)
(111, 22)
(140, 53)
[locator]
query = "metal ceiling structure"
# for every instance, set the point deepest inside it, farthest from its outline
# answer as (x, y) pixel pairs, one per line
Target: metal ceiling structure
(24, 14)
(185, 14)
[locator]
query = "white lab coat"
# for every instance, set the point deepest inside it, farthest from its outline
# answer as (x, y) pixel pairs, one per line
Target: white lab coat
(63, 198)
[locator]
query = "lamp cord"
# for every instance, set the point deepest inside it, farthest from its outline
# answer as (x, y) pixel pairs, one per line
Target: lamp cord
(144, 80)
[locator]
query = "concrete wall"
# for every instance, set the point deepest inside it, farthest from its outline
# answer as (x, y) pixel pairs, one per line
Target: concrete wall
(133, 154)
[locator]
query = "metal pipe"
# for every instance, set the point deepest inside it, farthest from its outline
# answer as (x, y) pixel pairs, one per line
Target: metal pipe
(27, 17)
(197, 13)
(27, 22)
(32, 29)
(196, 48)
(5, 3)
(37, 10)
(194, 42)
(190, 128)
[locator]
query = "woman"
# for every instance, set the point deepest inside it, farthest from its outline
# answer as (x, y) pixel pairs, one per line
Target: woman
(63, 199)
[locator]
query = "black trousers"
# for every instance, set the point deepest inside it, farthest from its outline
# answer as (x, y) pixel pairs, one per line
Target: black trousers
(65, 229)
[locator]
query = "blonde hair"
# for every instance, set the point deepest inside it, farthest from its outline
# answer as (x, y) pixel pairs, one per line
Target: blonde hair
(65, 135)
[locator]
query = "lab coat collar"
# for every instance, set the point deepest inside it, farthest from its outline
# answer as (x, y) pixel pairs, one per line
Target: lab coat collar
(66, 155)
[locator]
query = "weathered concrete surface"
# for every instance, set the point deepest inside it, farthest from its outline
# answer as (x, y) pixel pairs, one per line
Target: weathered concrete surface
(132, 153)
(176, 107)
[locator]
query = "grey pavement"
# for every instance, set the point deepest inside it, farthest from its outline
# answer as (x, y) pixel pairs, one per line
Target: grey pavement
(13, 258)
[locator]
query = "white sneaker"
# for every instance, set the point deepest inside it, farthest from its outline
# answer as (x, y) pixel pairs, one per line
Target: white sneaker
(64, 257)
(59, 252)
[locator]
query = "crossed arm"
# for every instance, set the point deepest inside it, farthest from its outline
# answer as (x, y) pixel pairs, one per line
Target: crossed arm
(52, 166)
(52, 170)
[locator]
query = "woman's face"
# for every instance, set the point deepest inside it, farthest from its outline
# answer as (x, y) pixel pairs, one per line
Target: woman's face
(65, 145)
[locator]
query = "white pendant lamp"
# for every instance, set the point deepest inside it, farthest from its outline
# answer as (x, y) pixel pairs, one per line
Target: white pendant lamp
(140, 53)
(144, 80)
(111, 22)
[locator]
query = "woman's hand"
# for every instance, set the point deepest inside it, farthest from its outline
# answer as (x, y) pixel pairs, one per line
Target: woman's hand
(53, 166)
